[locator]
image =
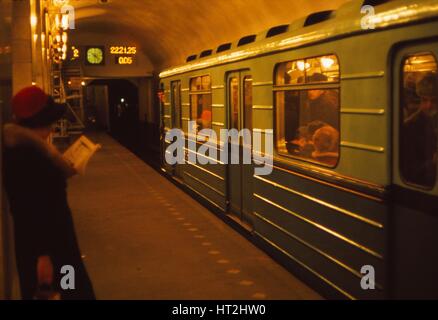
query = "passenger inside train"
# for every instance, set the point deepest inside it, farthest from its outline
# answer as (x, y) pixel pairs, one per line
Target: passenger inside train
(312, 116)
(420, 124)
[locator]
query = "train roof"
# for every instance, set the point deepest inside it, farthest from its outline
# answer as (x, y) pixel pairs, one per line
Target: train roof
(316, 27)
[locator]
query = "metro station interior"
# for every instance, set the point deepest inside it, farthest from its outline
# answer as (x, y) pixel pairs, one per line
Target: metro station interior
(342, 95)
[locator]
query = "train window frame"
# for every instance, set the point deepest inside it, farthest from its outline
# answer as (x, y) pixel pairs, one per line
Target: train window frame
(201, 92)
(333, 85)
(401, 101)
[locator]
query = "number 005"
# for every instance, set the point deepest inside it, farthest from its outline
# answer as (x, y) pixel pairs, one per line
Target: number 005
(125, 60)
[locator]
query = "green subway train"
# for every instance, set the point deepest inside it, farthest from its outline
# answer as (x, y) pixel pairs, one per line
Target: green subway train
(350, 96)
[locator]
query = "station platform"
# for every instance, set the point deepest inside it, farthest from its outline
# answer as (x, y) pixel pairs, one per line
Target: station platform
(144, 238)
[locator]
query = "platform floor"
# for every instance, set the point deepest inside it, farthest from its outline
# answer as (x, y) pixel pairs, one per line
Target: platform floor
(144, 238)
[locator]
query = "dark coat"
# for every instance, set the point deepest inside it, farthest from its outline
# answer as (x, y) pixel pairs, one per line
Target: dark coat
(419, 146)
(325, 109)
(35, 182)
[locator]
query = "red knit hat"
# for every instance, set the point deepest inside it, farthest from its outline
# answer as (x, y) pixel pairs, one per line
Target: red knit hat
(32, 107)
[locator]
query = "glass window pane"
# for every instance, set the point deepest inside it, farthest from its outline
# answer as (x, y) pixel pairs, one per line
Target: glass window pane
(419, 126)
(176, 104)
(195, 84)
(200, 103)
(234, 102)
(308, 124)
(291, 73)
(205, 116)
(201, 111)
(314, 70)
(247, 97)
(205, 83)
(193, 107)
(322, 69)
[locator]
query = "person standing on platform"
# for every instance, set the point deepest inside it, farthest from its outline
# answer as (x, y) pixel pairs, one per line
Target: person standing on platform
(35, 178)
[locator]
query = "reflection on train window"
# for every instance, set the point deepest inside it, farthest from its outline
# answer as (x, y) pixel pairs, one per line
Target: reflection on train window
(419, 120)
(307, 124)
(200, 102)
(200, 83)
(176, 104)
(323, 69)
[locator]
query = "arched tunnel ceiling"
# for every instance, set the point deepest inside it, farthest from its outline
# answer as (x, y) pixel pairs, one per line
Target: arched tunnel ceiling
(170, 30)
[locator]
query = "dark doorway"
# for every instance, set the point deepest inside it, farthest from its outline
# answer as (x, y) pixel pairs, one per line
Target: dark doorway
(121, 118)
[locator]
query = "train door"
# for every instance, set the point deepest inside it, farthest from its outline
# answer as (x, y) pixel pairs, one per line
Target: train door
(239, 93)
(414, 236)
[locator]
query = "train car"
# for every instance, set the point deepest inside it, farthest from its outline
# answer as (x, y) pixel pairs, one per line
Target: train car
(351, 97)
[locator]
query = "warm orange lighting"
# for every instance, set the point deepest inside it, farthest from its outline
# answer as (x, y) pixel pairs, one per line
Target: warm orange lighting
(303, 65)
(57, 21)
(65, 21)
(327, 63)
(33, 21)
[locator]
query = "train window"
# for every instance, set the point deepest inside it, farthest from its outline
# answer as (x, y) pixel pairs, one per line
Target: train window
(314, 70)
(419, 120)
(191, 58)
(247, 101)
(176, 104)
(307, 109)
(200, 102)
(234, 102)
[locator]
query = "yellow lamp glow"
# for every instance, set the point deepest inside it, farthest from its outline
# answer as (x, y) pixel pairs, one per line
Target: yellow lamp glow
(57, 21)
(33, 21)
(303, 65)
(327, 63)
(65, 21)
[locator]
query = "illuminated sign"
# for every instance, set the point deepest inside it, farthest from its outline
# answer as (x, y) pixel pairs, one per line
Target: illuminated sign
(75, 53)
(123, 50)
(124, 60)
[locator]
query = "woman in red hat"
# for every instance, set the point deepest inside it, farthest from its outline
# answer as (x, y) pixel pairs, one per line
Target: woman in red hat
(35, 175)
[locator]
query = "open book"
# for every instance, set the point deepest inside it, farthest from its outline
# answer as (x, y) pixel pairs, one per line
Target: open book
(80, 152)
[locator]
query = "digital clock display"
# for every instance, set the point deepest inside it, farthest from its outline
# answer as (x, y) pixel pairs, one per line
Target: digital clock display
(124, 60)
(123, 50)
